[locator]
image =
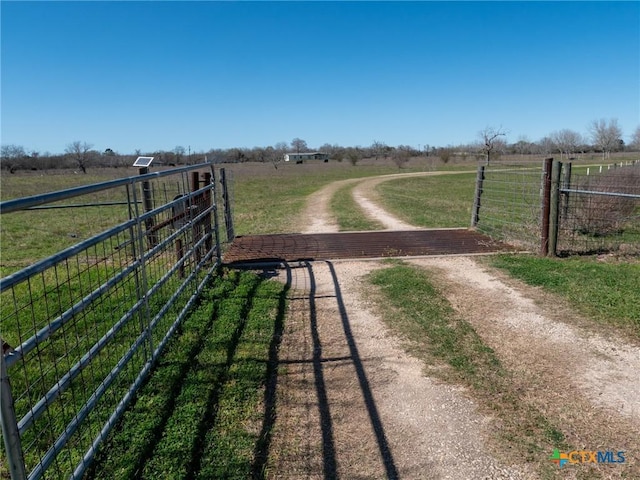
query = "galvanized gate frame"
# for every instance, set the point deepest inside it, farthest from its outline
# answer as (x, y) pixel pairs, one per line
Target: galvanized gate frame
(150, 265)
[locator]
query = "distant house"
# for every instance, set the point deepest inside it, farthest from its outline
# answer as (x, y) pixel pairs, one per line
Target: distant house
(300, 157)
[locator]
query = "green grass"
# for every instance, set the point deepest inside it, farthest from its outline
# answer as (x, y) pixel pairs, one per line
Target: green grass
(348, 214)
(26, 184)
(200, 414)
(416, 310)
(267, 200)
(608, 293)
(433, 201)
(426, 312)
(24, 311)
(204, 413)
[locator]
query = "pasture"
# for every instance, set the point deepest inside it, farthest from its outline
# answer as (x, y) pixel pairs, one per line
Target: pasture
(210, 397)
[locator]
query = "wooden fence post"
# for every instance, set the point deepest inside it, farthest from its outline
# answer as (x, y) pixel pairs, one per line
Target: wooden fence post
(179, 255)
(475, 212)
(546, 205)
(228, 217)
(147, 200)
(554, 208)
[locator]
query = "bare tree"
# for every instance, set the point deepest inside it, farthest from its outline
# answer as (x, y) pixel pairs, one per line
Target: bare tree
(566, 141)
(273, 156)
(635, 138)
(327, 148)
(354, 155)
(11, 155)
(379, 149)
(545, 146)
(523, 145)
(335, 151)
(401, 155)
(606, 135)
(81, 153)
(299, 145)
(179, 152)
(279, 150)
(445, 154)
(490, 138)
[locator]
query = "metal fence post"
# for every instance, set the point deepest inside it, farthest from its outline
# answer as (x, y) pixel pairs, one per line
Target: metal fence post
(554, 207)
(566, 184)
(216, 223)
(208, 204)
(475, 212)
(197, 202)
(9, 424)
(546, 205)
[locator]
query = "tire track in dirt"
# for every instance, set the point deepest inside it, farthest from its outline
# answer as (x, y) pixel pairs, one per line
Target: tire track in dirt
(589, 383)
(317, 216)
(574, 375)
(355, 405)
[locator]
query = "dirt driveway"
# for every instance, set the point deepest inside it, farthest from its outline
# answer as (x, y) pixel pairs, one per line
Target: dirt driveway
(353, 404)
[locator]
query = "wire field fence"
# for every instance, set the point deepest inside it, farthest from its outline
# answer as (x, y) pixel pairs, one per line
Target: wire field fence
(599, 209)
(558, 209)
(81, 328)
(508, 203)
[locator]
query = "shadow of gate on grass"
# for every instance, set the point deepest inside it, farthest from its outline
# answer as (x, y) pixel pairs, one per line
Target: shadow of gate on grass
(323, 386)
(173, 428)
(189, 419)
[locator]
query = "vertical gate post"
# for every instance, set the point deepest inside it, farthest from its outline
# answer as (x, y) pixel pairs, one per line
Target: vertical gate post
(9, 424)
(554, 207)
(546, 205)
(179, 255)
(207, 200)
(216, 223)
(228, 218)
(475, 212)
(197, 203)
(566, 184)
(147, 200)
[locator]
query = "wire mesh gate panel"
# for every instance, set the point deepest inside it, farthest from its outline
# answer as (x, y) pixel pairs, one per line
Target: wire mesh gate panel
(81, 328)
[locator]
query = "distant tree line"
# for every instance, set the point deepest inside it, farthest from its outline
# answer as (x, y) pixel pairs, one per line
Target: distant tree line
(603, 137)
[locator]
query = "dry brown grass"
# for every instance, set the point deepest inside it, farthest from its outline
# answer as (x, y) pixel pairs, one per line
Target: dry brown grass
(600, 215)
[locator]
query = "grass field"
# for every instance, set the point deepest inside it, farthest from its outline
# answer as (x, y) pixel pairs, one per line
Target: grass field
(438, 201)
(204, 413)
(608, 293)
(270, 201)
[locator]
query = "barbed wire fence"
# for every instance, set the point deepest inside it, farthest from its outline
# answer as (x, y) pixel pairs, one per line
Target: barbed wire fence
(81, 328)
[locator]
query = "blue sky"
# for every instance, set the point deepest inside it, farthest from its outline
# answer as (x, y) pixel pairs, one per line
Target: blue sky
(155, 75)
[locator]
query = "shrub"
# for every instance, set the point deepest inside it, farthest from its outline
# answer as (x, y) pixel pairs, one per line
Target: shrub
(601, 215)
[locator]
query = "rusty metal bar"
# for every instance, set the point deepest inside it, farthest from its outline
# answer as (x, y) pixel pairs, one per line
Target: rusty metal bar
(546, 205)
